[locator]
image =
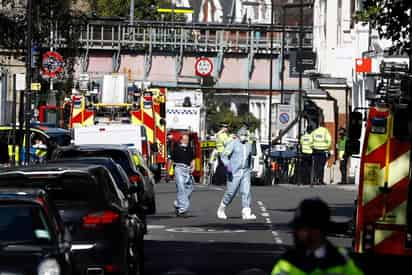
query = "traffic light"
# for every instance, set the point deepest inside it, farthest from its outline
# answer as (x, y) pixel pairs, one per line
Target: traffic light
(35, 56)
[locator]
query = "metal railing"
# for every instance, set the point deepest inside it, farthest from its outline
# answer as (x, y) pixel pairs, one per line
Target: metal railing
(243, 38)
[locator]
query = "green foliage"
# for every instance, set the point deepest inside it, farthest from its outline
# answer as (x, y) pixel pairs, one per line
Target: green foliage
(217, 113)
(144, 9)
(392, 20)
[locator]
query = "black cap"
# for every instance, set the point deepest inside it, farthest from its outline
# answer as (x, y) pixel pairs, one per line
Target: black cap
(312, 213)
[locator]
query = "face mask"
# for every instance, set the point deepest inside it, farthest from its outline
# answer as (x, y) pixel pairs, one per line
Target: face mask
(243, 138)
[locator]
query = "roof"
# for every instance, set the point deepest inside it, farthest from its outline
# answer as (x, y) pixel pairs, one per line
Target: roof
(20, 193)
(53, 168)
(96, 147)
(83, 160)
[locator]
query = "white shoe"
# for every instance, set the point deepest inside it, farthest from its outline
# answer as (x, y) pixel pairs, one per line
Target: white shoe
(247, 214)
(221, 212)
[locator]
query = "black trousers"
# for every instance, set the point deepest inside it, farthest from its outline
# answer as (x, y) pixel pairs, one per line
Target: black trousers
(220, 176)
(319, 162)
(305, 173)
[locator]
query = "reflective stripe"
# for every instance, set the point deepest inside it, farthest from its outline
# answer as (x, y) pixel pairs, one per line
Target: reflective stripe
(16, 152)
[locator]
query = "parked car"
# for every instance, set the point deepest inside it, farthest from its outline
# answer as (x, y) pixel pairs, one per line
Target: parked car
(33, 239)
(258, 163)
(119, 176)
(106, 237)
(122, 155)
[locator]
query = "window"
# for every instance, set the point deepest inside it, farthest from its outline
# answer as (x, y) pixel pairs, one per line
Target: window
(23, 224)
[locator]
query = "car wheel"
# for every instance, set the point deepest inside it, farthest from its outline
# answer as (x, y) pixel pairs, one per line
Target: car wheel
(136, 258)
(151, 206)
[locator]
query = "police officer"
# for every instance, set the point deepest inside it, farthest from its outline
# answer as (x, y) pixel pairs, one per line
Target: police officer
(306, 144)
(340, 146)
(237, 159)
(222, 139)
(322, 142)
(312, 252)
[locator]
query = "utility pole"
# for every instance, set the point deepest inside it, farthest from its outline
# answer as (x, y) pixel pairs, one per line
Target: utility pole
(282, 70)
(132, 12)
(270, 86)
(27, 109)
(300, 66)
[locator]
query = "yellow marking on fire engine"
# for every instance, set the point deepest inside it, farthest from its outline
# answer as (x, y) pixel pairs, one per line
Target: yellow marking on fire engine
(197, 164)
(374, 176)
(375, 141)
(381, 235)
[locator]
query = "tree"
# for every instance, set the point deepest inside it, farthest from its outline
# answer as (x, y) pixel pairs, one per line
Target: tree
(218, 113)
(392, 19)
(144, 9)
(47, 14)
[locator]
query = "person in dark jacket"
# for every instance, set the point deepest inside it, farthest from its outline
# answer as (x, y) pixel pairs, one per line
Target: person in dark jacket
(183, 160)
(313, 253)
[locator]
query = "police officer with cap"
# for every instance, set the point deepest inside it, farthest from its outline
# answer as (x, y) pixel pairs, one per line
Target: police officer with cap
(313, 253)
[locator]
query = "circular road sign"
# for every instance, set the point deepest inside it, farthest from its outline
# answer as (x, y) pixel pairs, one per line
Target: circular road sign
(204, 67)
(52, 64)
(284, 118)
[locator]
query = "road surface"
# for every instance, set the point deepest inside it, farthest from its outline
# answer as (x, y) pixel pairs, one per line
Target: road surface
(202, 244)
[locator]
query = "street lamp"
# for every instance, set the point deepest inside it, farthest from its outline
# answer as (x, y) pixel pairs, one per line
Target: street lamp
(27, 109)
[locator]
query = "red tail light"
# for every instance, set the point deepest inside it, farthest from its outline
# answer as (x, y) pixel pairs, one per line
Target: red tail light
(134, 178)
(94, 220)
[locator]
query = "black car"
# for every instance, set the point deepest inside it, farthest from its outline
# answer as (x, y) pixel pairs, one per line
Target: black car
(33, 239)
(122, 155)
(119, 175)
(106, 237)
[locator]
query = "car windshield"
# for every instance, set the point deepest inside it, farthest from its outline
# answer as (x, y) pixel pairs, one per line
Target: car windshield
(23, 223)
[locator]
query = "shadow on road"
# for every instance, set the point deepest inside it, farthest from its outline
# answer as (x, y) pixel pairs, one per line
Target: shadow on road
(209, 258)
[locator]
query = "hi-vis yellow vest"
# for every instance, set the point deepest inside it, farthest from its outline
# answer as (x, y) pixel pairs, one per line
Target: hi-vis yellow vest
(306, 141)
(321, 139)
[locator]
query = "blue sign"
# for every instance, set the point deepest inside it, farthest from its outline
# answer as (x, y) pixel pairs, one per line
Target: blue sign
(284, 118)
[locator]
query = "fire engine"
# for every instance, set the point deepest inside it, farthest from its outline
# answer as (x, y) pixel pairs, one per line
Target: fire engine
(117, 104)
(383, 214)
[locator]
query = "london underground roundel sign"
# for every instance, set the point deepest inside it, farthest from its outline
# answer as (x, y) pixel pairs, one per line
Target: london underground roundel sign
(52, 64)
(204, 67)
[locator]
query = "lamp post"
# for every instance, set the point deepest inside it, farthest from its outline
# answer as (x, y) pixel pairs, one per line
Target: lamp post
(27, 109)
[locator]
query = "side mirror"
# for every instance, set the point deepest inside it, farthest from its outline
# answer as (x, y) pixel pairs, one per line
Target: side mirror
(402, 123)
(352, 147)
(355, 125)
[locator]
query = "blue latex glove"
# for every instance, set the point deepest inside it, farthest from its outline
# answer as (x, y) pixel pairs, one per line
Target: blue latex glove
(229, 169)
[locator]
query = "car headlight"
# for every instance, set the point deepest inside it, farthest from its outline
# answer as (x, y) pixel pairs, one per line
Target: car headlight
(49, 267)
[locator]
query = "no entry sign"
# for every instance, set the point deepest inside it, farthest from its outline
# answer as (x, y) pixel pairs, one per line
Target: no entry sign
(204, 67)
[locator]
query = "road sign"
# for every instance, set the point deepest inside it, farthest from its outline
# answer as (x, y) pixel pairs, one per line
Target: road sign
(20, 82)
(285, 116)
(52, 64)
(204, 67)
(35, 86)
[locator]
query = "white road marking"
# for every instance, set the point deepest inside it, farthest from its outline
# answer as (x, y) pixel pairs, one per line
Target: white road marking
(152, 226)
(264, 213)
(198, 230)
